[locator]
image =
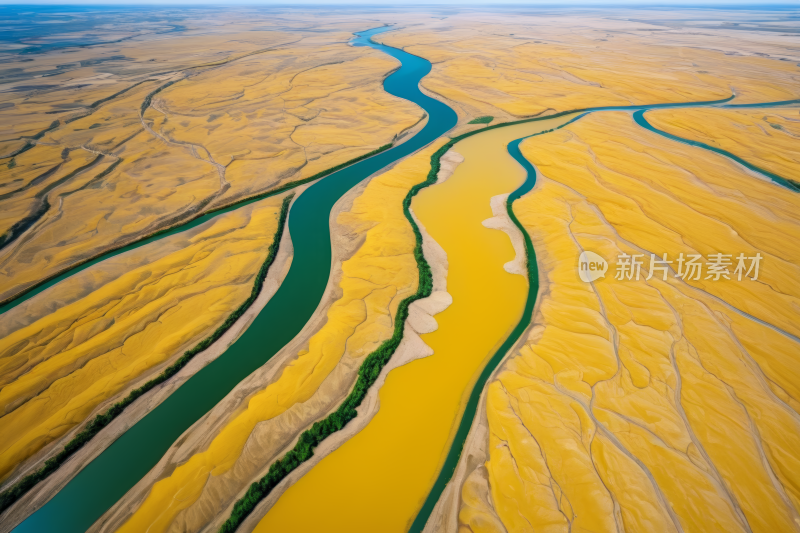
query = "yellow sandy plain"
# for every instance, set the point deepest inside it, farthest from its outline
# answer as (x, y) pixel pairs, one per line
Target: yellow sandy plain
(766, 137)
(380, 274)
(378, 479)
(100, 334)
(647, 405)
(526, 65)
(248, 111)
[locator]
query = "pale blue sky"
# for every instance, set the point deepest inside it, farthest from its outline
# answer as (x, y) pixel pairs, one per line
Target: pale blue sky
(529, 3)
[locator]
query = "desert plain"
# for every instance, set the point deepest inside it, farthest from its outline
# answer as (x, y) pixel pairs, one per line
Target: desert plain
(454, 370)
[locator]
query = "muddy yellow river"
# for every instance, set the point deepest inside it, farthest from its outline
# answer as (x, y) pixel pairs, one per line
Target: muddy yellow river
(378, 480)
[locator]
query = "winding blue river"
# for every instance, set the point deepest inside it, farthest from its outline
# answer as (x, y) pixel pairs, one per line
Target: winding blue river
(106, 479)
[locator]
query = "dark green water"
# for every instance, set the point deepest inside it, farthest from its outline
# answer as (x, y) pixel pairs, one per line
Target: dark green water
(106, 479)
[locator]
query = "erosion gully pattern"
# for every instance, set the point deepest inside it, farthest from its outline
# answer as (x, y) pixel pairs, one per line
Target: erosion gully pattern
(32, 291)
(239, 247)
(296, 85)
(716, 410)
(789, 184)
(354, 507)
(120, 466)
(88, 495)
(465, 423)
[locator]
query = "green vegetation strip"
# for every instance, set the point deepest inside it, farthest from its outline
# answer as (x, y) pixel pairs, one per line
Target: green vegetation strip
(149, 98)
(98, 103)
(89, 184)
(15, 492)
(471, 407)
(481, 120)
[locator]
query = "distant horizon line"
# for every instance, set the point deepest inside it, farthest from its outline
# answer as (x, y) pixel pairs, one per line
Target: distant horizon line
(687, 4)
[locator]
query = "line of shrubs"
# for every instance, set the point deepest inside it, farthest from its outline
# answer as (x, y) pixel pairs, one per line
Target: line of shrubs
(103, 174)
(9, 496)
(481, 120)
(98, 103)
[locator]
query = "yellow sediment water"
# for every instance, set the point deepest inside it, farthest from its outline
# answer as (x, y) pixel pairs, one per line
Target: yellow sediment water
(378, 480)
